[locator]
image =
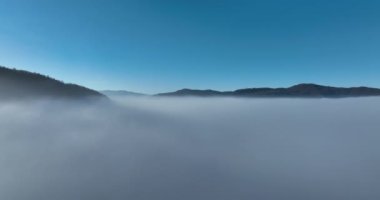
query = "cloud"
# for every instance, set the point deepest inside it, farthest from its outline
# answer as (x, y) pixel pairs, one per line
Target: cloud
(190, 148)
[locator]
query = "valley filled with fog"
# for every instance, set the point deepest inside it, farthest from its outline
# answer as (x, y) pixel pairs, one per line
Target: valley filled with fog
(145, 148)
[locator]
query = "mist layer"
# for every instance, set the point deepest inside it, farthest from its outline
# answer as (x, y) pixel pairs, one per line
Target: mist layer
(191, 149)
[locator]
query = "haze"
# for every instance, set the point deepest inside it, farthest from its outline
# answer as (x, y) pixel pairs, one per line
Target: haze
(191, 148)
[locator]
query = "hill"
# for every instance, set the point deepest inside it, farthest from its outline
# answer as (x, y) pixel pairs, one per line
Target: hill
(120, 93)
(300, 90)
(20, 84)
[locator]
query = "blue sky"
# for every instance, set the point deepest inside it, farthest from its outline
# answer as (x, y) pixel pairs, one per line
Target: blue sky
(162, 45)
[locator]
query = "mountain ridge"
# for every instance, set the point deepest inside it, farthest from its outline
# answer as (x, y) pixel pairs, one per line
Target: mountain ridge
(21, 84)
(300, 90)
(121, 93)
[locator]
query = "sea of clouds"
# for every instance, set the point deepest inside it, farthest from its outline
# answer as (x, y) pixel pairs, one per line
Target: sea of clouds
(148, 148)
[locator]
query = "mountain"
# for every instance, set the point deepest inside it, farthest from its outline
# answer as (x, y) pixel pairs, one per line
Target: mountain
(300, 90)
(20, 84)
(120, 93)
(190, 92)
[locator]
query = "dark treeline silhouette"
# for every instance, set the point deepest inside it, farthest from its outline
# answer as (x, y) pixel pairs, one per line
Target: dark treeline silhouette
(300, 90)
(20, 84)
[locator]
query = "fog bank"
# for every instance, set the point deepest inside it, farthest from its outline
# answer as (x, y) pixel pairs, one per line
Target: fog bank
(147, 148)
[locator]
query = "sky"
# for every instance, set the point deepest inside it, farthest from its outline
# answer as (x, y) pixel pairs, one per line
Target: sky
(155, 46)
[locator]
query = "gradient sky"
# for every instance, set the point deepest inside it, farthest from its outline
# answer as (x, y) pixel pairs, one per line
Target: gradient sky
(162, 45)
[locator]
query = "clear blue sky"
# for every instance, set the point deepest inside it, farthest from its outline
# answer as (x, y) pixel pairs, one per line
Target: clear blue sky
(162, 45)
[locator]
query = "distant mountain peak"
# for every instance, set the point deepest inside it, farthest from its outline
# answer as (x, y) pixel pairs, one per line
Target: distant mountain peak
(120, 93)
(191, 92)
(305, 85)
